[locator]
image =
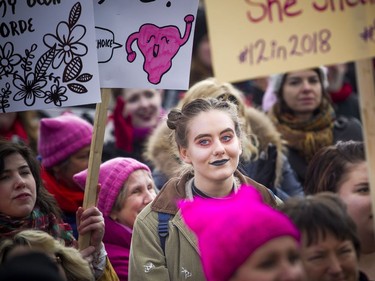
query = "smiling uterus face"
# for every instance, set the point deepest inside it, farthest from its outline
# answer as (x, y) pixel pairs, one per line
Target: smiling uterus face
(158, 48)
(158, 45)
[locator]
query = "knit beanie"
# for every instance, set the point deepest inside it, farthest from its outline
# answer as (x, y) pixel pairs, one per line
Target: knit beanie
(112, 176)
(277, 79)
(231, 229)
(61, 136)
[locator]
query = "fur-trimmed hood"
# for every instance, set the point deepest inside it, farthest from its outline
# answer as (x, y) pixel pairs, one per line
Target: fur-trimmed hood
(162, 152)
(266, 134)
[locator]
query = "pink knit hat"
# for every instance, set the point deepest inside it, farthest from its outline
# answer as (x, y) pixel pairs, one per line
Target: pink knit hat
(61, 136)
(112, 176)
(229, 230)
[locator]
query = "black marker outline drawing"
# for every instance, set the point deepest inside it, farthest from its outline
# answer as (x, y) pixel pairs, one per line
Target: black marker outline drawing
(4, 97)
(64, 50)
(8, 60)
(56, 94)
(30, 85)
(158, 45)
(12, 5)
(117, 45)
(67, 39)
(149, 1)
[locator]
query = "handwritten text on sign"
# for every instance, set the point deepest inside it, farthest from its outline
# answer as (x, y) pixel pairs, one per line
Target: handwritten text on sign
(252, 38)
(47, 54)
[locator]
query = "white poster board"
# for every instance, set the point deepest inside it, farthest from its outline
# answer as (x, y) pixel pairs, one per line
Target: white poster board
(47, 55)
(145, 43)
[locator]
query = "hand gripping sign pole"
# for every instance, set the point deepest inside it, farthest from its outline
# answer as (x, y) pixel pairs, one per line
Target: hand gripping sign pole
(96, 149)
(366, 85)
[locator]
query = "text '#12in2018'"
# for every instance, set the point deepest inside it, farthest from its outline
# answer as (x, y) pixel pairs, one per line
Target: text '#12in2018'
(262, 51)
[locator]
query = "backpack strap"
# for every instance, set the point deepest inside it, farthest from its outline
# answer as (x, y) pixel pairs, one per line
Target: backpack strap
(163, 228)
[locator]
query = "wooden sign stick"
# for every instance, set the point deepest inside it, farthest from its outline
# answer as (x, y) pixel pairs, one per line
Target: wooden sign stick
(95, 158)
(366, 85)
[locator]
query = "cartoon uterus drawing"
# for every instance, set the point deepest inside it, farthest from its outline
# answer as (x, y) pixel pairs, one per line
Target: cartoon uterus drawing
(159, 45)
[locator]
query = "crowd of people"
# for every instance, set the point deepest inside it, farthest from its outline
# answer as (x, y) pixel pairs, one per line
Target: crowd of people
(263, 179)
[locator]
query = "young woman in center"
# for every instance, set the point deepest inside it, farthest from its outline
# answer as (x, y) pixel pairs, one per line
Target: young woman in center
(208, 136)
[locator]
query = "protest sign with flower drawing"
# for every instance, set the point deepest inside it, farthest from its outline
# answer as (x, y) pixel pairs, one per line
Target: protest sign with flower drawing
(47, 55)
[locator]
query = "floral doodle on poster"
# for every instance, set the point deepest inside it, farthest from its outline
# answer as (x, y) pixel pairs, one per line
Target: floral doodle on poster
(36, 79)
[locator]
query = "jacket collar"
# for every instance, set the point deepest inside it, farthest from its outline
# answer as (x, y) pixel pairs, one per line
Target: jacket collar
(175, 189)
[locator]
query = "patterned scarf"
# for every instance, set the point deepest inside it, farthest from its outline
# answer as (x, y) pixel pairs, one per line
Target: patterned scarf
(37, 220)
(307, 137)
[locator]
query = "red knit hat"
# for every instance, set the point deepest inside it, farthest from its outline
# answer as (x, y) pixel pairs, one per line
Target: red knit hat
(112, 176)
(229, 230)
(61, 136)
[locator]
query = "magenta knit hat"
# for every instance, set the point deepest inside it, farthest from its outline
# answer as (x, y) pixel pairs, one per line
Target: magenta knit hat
(112, 176)
(229, 230)
(61, 136)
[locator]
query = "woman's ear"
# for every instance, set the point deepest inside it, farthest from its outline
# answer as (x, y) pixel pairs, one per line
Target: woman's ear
(184, 155)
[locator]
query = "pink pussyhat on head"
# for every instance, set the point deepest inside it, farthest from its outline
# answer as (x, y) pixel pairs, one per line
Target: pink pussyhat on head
(112, 176)
(62, 136)
(229, 230)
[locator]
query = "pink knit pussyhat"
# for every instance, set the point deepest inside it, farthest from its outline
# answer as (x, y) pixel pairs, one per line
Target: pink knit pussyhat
(229, 230)
(62, 136)
(112, 176)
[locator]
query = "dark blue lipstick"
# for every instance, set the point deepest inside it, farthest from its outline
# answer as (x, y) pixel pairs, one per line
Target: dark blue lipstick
(219, 162)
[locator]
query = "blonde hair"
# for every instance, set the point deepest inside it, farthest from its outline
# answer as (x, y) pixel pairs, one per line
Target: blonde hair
(162, 139)
(211, 88)
(75, 267)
